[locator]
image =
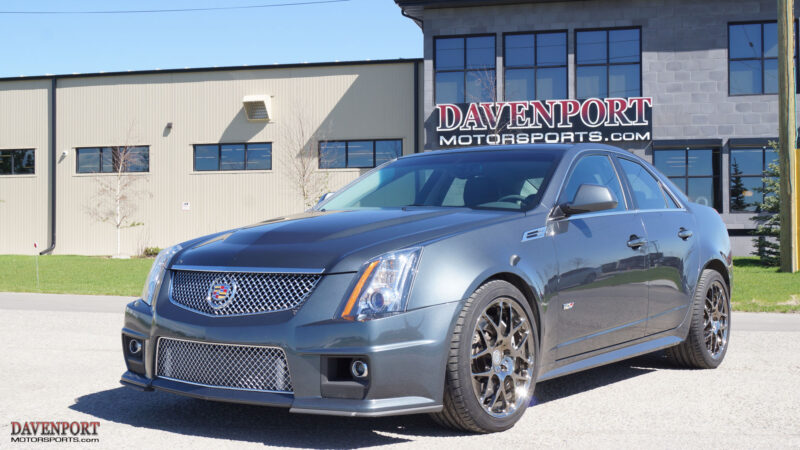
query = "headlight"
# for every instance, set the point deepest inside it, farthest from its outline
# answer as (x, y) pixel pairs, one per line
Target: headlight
(383, 286)
(157, 273)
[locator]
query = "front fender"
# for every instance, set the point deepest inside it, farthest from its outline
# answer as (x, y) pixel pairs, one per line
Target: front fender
(452, 269)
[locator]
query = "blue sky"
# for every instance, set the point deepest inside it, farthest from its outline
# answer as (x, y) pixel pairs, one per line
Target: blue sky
(37, 44)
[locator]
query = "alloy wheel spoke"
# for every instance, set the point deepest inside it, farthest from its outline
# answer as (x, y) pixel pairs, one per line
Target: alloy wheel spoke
(502, 326)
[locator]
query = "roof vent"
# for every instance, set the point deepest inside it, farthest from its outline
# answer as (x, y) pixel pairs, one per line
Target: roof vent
(258, 108)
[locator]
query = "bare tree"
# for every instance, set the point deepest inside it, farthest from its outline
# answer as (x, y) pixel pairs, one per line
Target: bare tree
(302, 160)
(486, 83)
(115, 199)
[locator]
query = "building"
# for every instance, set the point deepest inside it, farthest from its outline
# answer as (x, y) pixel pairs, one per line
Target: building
(705, 73)
(201, 164)
(688, 85)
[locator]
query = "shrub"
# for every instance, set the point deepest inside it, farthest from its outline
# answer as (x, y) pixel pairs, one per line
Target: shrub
(151, 252)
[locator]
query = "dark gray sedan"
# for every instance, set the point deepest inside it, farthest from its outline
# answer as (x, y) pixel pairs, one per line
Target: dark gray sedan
(446, 282)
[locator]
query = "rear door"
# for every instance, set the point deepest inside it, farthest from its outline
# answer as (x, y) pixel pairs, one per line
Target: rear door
(671, 247)
(602, 297)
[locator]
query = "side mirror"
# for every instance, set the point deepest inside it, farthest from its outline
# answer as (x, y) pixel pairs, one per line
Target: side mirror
(324, 197)
(589, 198)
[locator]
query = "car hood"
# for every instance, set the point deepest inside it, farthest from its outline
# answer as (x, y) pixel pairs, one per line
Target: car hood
(333, 241)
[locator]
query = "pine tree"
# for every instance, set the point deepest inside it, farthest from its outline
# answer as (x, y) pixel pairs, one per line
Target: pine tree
(737, 188)
(768, 220)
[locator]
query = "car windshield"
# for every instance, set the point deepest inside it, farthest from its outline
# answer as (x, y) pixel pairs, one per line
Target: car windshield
(504, 179)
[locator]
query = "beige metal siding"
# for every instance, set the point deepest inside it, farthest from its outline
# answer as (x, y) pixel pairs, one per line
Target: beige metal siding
(24, 114)
(373, 101)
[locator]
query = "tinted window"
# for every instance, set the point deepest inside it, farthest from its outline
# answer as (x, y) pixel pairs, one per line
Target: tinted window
(465, 69)
(88, 160)
(214, 157)
(332, 155)
(594, 169)
(509, 180)
(358, 154)
(206, 157)
(753, 58)
(535, 66)
(388, 150)
(608, 63)
(17, 162)
(695, 171)
(112, 159)
(645, 188)
(747, 166)
(259, 156)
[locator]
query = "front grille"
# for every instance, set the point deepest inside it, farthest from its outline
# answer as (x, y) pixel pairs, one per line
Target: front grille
(244, 367)
(247, 293)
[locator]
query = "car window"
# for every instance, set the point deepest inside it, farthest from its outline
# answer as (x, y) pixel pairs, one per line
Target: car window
(509, 180)
(646, 189)
(671, 203)
(594, 169)
(455, 194)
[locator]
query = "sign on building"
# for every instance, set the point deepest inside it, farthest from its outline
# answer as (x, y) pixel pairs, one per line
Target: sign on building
(604, 120)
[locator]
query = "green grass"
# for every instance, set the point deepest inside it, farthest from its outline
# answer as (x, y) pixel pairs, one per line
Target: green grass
(74, 274)
(755, 287)
(763, 289)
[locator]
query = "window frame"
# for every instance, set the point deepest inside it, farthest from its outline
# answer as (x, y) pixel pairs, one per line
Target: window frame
(745, 145)
(716, 169)
(535, 65)
(665, 192)
(627, 201)
(219, 157)
(761, 59)
(347, 152)
(114, 150)
(12, 173)
(464, 37)
(607, 64)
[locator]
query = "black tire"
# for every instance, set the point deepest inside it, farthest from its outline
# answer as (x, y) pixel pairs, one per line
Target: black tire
(694, 352)
(462, 408)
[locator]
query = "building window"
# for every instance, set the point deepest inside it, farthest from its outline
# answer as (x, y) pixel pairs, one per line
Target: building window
(608, 63)
(113, 159)
(216, 157)
(358, 154)
(696, 171)
(17, 162)
(465, 69)
(753, 58)
(747, 166)
(535, 65)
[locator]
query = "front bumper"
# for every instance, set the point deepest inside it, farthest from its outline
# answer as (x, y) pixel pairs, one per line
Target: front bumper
(407, 353)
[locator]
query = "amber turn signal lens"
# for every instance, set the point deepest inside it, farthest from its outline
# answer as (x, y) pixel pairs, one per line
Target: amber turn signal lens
(357, 290)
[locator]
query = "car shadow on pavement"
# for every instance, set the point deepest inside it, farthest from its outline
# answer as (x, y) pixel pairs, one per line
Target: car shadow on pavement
(598, 377)
(276, 426)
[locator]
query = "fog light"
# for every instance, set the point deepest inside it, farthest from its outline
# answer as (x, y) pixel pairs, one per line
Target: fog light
(359, 369)
(134, 346)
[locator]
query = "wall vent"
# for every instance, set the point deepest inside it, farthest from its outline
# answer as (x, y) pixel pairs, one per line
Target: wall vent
(258, 108)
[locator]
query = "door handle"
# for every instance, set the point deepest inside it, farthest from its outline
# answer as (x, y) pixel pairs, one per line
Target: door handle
(636, 242)
(684, 234)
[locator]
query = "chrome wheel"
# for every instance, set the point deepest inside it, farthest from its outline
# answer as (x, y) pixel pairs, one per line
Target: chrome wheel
(715, 320)
(502, 358)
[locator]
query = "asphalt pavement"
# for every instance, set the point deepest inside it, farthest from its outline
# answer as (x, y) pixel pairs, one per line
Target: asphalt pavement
(61, 361)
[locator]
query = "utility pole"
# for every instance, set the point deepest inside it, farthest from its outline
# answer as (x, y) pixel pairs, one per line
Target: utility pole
(787, 139)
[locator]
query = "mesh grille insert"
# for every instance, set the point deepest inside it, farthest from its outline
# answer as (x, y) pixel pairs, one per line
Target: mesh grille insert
(244, 367)
(240, 293)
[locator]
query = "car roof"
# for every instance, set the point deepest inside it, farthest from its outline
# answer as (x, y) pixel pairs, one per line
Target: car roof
(562, 148)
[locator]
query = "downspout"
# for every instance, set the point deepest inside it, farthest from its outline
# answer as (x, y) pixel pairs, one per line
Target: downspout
(52, 168)
(416, 107)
